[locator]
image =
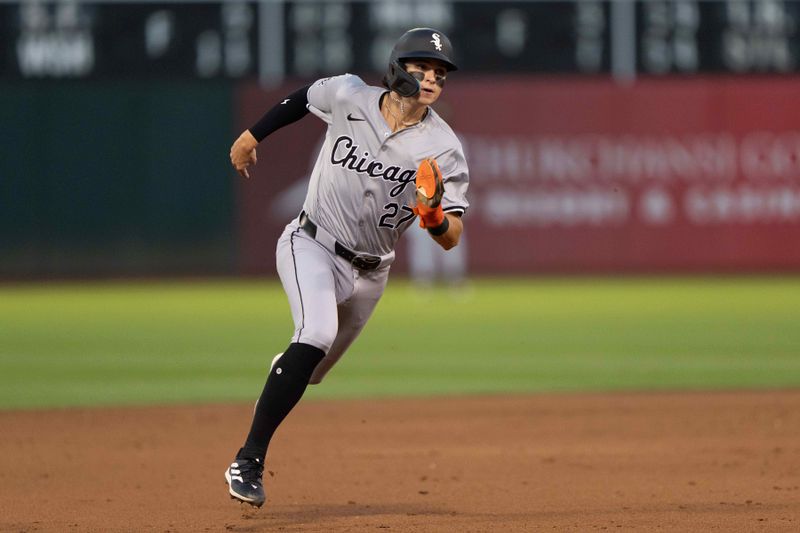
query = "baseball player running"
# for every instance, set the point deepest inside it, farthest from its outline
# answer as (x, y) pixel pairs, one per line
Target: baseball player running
(388, 159)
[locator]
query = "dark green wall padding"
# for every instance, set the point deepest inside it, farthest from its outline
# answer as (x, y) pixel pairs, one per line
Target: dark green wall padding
(115, 178)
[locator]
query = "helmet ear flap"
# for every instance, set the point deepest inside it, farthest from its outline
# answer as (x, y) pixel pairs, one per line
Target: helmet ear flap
(400, 81)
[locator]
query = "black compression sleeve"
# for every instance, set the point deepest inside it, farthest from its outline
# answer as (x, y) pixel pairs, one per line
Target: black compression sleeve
(290, 109)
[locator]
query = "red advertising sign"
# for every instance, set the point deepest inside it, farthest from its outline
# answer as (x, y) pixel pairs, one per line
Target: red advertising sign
(576, 175)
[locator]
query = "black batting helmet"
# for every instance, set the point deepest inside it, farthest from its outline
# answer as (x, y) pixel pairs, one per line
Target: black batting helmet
(419, 43)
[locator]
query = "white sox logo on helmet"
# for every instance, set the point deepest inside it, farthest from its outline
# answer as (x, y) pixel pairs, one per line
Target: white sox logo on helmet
(437, 42)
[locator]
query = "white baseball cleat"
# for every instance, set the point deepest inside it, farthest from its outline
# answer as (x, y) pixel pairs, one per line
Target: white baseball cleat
(244, 481)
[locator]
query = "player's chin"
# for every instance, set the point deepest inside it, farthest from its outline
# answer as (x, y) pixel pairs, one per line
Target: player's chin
(428, 96)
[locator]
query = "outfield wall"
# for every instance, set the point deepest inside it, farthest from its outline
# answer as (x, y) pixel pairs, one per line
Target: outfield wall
(569, 175)
(115, 179)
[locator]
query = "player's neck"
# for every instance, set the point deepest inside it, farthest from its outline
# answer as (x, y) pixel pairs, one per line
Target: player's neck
(402, 112)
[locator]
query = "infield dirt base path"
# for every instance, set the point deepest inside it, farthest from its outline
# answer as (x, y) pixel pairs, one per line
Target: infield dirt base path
(618, 462)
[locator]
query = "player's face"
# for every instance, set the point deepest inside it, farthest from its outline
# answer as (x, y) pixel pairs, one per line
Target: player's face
(431, 74)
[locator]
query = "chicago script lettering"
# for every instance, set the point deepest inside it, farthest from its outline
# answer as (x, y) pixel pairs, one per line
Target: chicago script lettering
(345, 154)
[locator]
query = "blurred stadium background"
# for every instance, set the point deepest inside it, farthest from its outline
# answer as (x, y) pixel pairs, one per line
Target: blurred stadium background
(605, 137)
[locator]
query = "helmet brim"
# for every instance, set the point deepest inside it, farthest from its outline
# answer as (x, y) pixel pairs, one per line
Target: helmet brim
(429, 55)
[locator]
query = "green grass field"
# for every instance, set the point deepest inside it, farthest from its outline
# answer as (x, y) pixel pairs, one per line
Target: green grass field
(145, 343)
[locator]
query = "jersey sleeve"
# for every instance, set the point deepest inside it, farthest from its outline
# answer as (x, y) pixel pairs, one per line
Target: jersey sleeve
(324, 94)
(455, 175)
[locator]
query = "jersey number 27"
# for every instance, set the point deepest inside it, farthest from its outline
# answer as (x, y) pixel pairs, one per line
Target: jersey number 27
(387, 219)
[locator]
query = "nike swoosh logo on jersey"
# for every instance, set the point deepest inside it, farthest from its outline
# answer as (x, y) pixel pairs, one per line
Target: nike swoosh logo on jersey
(354, 119)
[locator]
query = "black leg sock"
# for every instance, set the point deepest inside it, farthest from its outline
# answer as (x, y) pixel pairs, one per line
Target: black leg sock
(285, 386)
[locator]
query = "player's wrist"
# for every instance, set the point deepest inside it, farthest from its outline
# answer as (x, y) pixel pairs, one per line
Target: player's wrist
(439, 229)
(248, 139)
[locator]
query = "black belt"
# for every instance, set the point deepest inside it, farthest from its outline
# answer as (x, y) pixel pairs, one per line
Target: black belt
(359, 260)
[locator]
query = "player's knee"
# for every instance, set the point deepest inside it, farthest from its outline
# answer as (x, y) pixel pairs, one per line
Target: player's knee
(321, 337)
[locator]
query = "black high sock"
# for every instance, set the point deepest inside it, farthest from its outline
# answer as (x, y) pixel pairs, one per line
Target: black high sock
(286, 383)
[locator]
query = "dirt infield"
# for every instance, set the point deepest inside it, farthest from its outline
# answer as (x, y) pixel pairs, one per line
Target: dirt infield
(621, 462)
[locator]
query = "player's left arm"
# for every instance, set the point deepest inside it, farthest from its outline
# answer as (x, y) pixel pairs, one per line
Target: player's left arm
(442, 184)
(444, 228)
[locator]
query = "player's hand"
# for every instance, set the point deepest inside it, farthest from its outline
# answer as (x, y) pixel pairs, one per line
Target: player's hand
(243, 153)
(430, 189)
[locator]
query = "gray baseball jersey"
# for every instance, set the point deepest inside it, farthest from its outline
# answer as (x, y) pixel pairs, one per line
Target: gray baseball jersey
(360, 195)
(362, 185)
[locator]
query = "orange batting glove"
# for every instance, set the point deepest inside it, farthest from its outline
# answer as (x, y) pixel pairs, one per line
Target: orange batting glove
(430, 189)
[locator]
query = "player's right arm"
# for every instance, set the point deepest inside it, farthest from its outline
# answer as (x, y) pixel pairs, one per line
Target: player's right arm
(320, 98)
(289, 110)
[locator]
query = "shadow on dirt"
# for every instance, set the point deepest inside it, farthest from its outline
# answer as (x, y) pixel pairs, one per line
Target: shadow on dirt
(287, 517)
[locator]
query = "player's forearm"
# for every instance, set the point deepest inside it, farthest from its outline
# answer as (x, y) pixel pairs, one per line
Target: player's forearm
(289, 110)
(450, 238)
